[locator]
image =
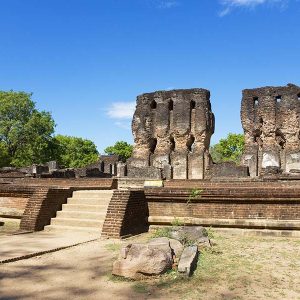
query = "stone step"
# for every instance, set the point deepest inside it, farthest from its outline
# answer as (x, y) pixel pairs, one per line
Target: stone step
(100, 198)
(85, 207)
(77, 222)
(82, 215)
(92, 194)
(88, 201)
(61, 228)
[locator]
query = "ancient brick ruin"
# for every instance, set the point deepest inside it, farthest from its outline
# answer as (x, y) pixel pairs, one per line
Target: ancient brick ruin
(172, 131)
(270, 119)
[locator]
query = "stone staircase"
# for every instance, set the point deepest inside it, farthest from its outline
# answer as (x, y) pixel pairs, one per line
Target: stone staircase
(85, 211)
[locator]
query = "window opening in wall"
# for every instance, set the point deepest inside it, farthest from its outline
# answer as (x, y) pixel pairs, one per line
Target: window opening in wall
(110, 169)
(152, 145)
(171, 105)
(193, 104)
(278, 99)
(255, 101)
(153, 104)
(172, 141)
(190, 143)
(298, 96)
(102, 166)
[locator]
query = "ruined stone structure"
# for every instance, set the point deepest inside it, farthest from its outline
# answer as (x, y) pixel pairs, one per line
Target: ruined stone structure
(172, 131)
(270, 119)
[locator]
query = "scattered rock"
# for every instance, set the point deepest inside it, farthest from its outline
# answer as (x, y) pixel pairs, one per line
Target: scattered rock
(176, 246)
(204, 243)
(191, 235)
(188, 260)
(146, 259)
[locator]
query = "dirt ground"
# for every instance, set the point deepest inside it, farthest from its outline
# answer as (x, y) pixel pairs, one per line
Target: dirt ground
(9, 225)
(235, 268)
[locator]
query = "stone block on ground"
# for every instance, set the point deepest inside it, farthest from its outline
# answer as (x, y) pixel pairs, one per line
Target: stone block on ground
(204, 243)
(192, 235)
(177, 247)
(143, 259)
(188, 260)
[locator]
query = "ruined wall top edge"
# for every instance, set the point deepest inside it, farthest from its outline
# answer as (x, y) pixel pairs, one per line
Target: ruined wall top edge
(272, 91)
(176, 92)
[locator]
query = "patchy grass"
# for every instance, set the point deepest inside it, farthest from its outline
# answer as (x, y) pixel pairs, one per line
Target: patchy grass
(114, 247)
(162, 232)
(140, 287)
(237, 267)
(10, 226)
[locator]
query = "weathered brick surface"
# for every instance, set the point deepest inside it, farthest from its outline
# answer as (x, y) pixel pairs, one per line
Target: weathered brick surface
(126, 215)
(40, 199)
(260, 200)
(13, 200)
(78, 183)
(42, 206)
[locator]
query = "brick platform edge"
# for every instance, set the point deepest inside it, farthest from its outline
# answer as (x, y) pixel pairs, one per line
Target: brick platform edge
(252, 207)
(42, 206)
(127, 214)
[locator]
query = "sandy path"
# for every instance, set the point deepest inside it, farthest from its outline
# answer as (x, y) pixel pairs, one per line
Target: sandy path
(81, 272)
(243, 268)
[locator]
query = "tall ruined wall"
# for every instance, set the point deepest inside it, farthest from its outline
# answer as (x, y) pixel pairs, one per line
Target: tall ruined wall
(172, 131)
(270, 119)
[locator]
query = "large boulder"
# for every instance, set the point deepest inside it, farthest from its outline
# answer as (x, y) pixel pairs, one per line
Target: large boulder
(143, 259)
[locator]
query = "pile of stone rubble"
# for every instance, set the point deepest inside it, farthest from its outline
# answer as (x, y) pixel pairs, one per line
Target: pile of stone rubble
(179, 251)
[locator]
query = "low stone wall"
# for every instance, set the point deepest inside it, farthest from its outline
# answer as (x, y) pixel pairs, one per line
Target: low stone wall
(221, 203)
(126, 215)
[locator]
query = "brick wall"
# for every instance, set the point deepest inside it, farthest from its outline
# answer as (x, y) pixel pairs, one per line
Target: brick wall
(80, 183)
(36, 201)
(42, 206)
(227, 203)
(13, 200)
(126, 215)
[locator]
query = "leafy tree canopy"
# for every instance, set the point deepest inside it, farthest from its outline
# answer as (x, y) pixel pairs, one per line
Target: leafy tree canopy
(121, 148)
(74, 152)
(25, 132)
(228, 149)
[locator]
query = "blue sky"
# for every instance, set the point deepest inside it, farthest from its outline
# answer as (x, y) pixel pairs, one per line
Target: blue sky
(86, 60)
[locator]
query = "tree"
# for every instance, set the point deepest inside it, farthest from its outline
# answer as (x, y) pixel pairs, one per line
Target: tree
(228, 149)
(25, 132)
(4, 156)
(121, 148)
(74, 152)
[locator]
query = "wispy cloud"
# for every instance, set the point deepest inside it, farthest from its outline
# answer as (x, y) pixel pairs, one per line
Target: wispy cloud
(123, 125)
(229, 5)
(121, 110)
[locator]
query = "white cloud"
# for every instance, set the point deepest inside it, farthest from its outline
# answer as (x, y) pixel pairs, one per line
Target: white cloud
(121, 110)
(229, 5)
(123, 125)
